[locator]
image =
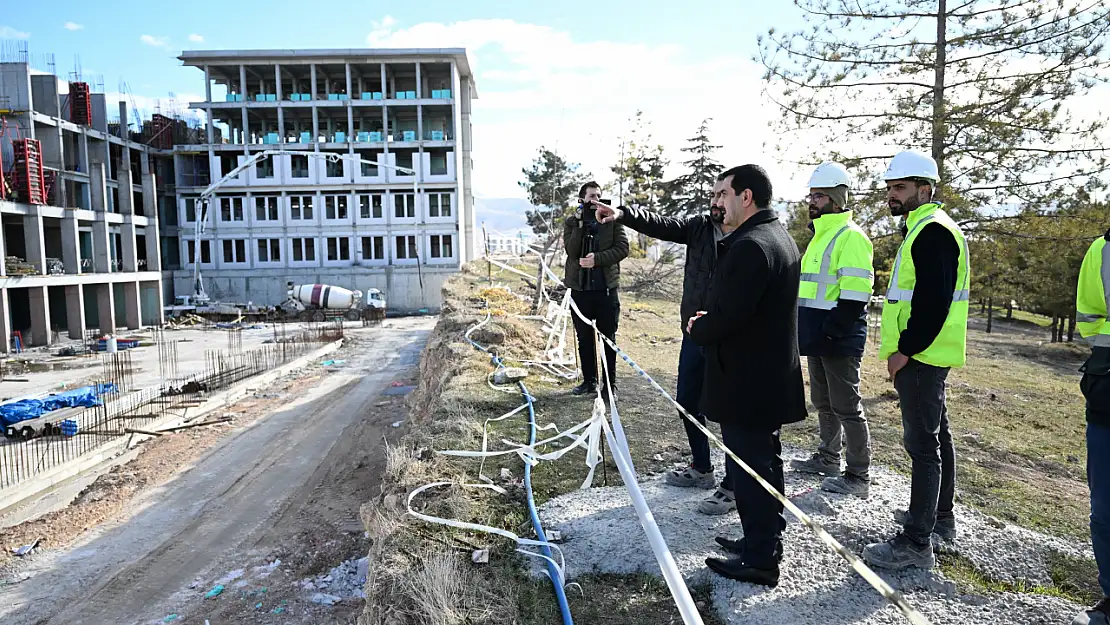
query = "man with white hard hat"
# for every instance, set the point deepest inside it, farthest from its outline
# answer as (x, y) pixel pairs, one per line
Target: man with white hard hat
(923, 336)
(836, 285)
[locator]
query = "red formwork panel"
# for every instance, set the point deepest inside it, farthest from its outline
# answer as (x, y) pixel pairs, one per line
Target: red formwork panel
(27, 180)
(80, 103)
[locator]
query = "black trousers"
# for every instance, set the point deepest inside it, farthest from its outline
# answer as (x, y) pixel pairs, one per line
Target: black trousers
(760, 513)
(604, 307)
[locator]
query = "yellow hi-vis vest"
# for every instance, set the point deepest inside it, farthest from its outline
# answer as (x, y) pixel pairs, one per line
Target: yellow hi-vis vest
(949, 349)
(837, 264)
(1090, 300)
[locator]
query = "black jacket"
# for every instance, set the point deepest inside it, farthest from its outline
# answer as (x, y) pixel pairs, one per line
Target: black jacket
(753, 373)
(696, 233)
(612, 246)
(936, 261)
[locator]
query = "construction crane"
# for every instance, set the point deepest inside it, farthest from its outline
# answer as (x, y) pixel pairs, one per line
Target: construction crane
(204, 202)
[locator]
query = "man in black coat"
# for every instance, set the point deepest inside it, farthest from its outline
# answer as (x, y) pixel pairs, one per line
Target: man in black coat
(753, 373)
(700, 234)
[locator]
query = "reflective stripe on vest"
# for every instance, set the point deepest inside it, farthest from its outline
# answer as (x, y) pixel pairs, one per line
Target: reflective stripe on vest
(823, 279)
(895, 294)
(949, 347)
(1102, 337)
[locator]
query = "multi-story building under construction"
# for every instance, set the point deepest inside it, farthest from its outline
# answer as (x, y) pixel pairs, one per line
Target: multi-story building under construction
(369, 188)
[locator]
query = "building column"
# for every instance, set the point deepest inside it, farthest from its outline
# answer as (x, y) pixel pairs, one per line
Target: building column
(5, 323)
(3, 264)
(34, 240)
(156, 287)
(150, 190)
(40, 315)
(71, 244)
(102, 249)
(75, 311)
(126, 188)
(106, 308)
(132, 313)
(129, 255)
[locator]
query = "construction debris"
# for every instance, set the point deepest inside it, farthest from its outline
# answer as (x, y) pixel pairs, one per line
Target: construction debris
(26, 549)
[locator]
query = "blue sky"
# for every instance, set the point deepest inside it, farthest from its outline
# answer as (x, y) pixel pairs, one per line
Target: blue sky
(563, 74)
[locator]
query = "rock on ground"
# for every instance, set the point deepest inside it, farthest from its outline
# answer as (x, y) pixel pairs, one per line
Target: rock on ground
(601, 533)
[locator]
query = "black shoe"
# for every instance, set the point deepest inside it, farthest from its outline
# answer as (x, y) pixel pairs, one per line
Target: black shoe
(735, 568)
(737, 547)
(605, 391)
(585, 388)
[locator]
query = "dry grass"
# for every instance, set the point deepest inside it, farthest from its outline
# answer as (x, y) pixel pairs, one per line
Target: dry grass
(1016, 414)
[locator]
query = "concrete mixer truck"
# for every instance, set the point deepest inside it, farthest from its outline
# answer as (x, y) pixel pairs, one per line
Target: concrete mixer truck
(322, 302)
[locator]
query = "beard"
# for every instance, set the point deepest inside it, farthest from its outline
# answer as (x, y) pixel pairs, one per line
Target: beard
(716, 215)
(897, 208)
(814, 212)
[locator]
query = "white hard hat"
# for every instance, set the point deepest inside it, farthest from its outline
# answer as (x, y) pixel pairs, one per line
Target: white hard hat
(829, 175)
(912, 164)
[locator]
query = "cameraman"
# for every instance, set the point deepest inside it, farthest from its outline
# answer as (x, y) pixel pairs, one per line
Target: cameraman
(594, 253)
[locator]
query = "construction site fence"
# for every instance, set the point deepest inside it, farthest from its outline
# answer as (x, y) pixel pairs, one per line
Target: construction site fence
(125, 413)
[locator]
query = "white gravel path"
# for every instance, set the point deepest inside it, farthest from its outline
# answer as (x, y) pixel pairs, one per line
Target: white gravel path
(601, 533)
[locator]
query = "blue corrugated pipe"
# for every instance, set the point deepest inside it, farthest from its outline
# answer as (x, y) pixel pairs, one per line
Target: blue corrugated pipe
(553, 572)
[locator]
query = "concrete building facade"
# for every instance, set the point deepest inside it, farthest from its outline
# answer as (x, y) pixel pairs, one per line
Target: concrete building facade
(91, 259)
(303, 217)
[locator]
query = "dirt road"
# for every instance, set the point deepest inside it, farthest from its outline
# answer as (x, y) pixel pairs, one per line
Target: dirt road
(288, 487)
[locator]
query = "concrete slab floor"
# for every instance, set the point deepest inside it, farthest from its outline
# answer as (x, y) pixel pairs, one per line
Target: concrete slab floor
(46, 372)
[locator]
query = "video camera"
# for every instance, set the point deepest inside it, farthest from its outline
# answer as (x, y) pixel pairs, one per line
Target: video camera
(589, 237)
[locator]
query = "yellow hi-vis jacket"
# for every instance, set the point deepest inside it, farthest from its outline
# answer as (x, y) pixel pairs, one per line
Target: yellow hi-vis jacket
(949, 349)
(1090, 301)
(837, 266)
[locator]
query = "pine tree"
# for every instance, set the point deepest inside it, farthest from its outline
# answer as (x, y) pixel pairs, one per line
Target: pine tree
(984, 87)
(639, 170)
(690, 193)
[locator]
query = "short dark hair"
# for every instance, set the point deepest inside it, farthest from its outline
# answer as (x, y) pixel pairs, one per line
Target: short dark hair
(589, 185)
(753, 178)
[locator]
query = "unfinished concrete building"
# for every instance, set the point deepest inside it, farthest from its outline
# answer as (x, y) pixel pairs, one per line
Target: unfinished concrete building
(305, 219)
(79, 210)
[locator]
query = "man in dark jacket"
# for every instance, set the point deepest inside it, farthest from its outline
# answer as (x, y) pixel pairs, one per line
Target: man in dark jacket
(700, 235)
(593, 274)
(749, 330)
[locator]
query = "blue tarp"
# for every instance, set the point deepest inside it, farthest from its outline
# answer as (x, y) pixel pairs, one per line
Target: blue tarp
(25, 409)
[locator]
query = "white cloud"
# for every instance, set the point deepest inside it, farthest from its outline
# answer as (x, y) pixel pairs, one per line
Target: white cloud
(196, 38)
(547, 87)
(7, 32)
(71, 26)
(157, 42)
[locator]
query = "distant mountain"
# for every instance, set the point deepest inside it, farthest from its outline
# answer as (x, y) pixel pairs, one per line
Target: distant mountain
(504, 215)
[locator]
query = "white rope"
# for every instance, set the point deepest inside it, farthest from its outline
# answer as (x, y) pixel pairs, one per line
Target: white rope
(876, 582)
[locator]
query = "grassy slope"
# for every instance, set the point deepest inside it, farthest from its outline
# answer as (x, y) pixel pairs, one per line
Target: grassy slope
(1016, 413)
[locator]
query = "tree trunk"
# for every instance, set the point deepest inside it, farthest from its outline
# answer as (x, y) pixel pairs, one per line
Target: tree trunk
(990, 314)
(982, 306)
(1055, 325)
(1071, 328)
(1009, 309)
(938, 138)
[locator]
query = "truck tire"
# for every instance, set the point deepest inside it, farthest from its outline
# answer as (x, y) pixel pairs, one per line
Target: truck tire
(305, 315)
(352, 315)
(27, 432)
(318, 316)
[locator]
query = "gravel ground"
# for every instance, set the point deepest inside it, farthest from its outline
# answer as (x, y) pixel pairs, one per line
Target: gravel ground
(601, 534)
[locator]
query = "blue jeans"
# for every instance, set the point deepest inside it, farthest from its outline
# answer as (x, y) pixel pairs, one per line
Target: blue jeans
(691, 376)
(1098, 479)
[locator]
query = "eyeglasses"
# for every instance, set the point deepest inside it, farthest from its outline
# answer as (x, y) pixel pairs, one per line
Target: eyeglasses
(813, 197)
